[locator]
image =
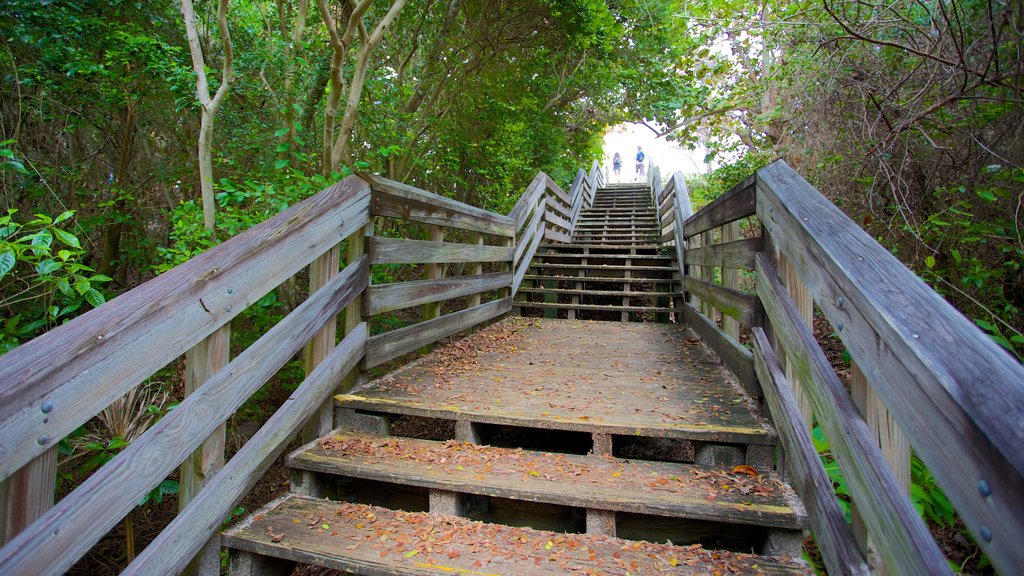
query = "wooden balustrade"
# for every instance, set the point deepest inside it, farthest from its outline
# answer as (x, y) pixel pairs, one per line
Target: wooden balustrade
(956, 410)
(59, 381)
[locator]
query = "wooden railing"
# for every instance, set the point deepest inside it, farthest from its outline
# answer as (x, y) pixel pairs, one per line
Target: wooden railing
(59, 381)
(922, 373)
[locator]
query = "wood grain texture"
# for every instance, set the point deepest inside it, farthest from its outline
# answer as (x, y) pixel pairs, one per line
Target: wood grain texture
(402, 251)
(424, 544)
(730, 302)
(738, 254)
(204, 516)
(203, 361)
(636, 379)
(908, 546)
(27, 494)
(382, 298)
(524, 265)
(606, 483)
(557, 220)
(533, 229)
(555, 190)
(392, 344)
(528, 200)
(67, 531)
(738, 202)
(831, 532)
(960, 411)
(397, 200)
(129, 338)
(734, 355)
(321, 271)
(731, 277)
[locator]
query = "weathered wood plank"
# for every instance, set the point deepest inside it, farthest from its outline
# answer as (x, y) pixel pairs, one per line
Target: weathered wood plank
(534, 229)
(734, 355)
(556, 219)
(353, 545)
(131, 337)
(669, 217)
(831, 532)
(638, 379)
(27, 494)
(321, 271)
(204, 516)
(54, 543)
(202, 362)
(738, 202)
(402, 251)
(556, 190)
(354, 310)
(557, 236)
(908, 546)
(432, 309)
(670, 188)
(738, 254)
(730, 302)
(570, 480)
(731, 278)
(384, 347)
(901, 332)
(382, 298)
(398, 200)
(527, 201)
(524, 264)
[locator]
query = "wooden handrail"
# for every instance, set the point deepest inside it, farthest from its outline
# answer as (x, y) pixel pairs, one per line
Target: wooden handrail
(959, 410)
(47, 392)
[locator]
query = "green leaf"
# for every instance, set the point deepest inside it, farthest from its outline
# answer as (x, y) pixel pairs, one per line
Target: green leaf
(930, 261)
(280, 163)
(64, 286)
(82, 286)
(47, 267)
(280, 132)
(67, 238)
(7, 262)
(44, 239)
(99, 278)
(15, 166)
(95, 298)
(64, 216)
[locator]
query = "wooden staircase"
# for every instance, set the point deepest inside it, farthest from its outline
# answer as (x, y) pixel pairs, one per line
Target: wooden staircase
(538, 446)
(613, 269)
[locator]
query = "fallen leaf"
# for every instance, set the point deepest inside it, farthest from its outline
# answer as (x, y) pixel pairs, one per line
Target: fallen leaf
(744, 469)
(411, 553)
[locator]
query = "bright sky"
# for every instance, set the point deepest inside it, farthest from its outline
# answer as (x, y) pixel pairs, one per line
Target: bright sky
(624, 138)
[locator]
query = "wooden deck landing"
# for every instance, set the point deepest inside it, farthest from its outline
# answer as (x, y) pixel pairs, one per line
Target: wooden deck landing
(652, 380)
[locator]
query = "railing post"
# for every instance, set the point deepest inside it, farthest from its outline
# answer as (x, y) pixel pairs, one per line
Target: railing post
(202, 362)
(321, 271)
(730, 279)
(801, 296)
(354, 311)
(27, 494)
(432, 272)
(893, 443)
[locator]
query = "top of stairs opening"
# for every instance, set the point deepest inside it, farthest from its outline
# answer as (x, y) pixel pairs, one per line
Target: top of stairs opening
(613, 269)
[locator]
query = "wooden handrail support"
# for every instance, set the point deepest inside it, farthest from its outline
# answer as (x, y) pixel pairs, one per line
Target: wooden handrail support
(59, 381)
(961, 411)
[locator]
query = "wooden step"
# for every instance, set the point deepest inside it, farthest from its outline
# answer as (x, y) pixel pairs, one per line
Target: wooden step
(613, 309)
(377, 541)
(585, 292)
(597, 279)
(593, 482)
(602, 267)
(637, 379)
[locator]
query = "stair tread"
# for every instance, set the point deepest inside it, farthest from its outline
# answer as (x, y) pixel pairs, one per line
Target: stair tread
(585, 292)
(598, 482)
(602, 266)
(372, 540)
(640, 379)
(592, 307)
(618, 280)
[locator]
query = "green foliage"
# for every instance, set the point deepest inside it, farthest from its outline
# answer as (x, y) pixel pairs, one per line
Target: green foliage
(706, 187)
(42, 279)
(976, 256)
